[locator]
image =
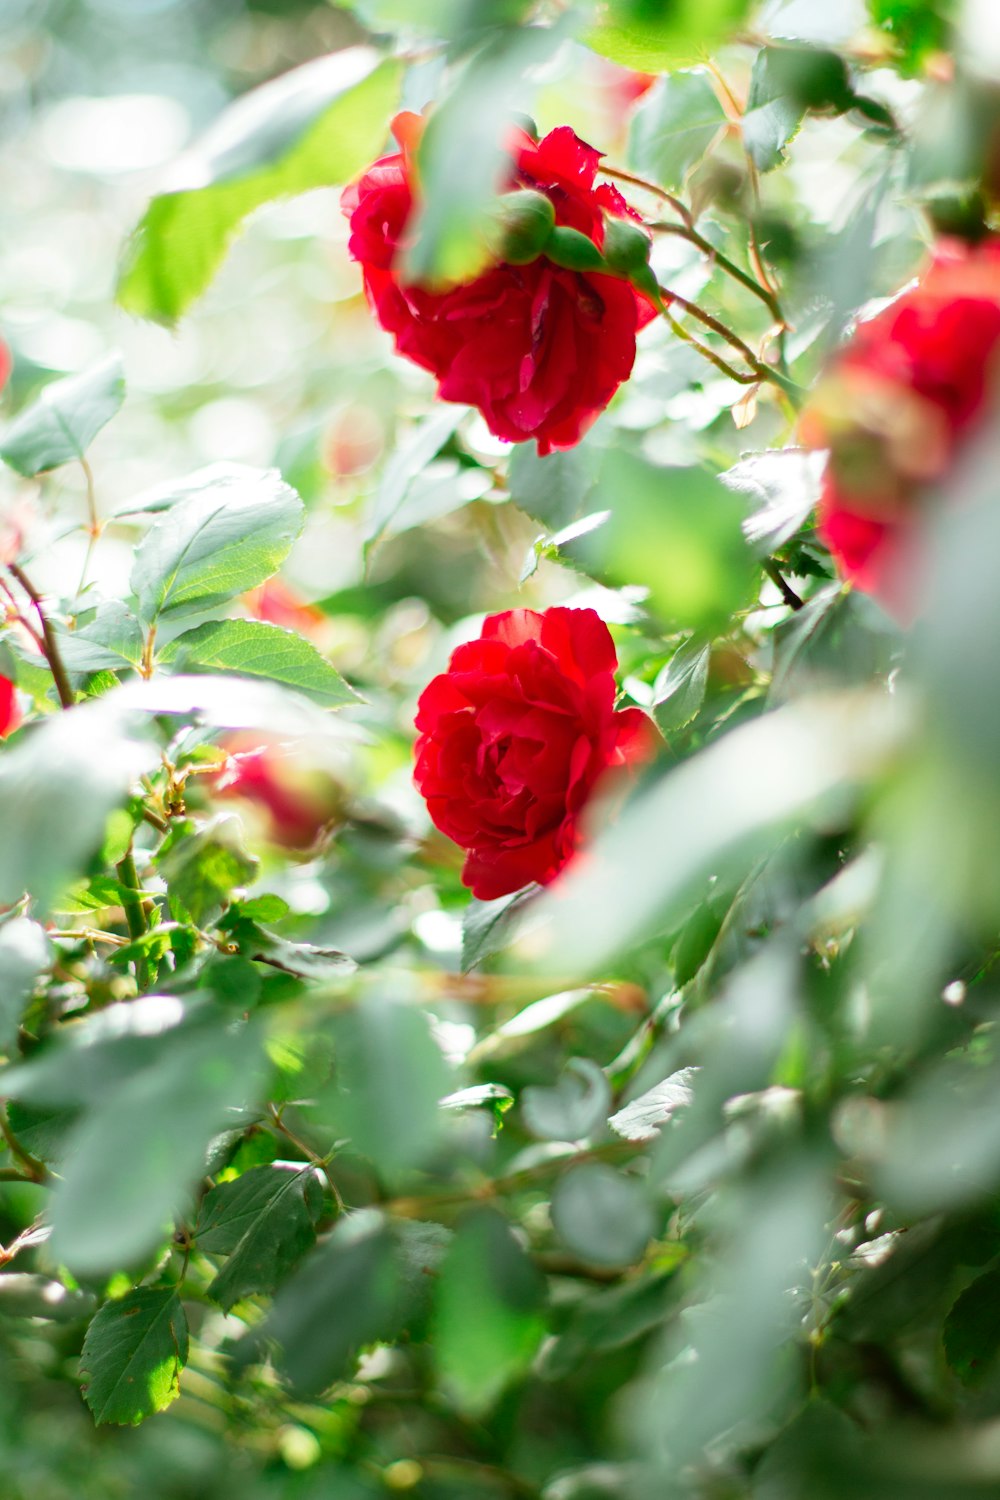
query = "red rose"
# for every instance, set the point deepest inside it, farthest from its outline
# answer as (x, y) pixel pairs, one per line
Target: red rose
(10, 713)
(894, 409)
(514, 737)
(539, 349)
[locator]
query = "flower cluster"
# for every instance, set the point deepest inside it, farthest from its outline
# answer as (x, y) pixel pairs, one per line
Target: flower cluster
(540, 349)
(514, 738)
(894, 409)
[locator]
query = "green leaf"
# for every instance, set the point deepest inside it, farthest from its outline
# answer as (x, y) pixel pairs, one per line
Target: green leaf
(156, 1081)
(837, 637)
(405, 467)
(782, 485)
(643, 1118)
(679, 690)
(232, 531)
(204, 869)
(133, 1354)
(253, 648)
(109, 642)
(265, 1221)
(685, 31)
(25, 954)
(487, 926)
(972, 1330)
(391, 1075)
(555, 490)
(345, 1295)
(24, 1295)
(573, 1108)
(61, 425)
(315, 126)
(601, 1215)
(674, 126)
(488, 1318)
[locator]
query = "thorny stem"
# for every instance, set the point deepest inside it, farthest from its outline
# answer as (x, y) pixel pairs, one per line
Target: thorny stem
(93, 524)
(15, 614)
(146, 665)
(789, 595)
(49, 644)
(723, 262)
(761, 371)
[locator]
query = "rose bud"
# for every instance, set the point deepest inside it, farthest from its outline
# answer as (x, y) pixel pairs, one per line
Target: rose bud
(514, 738)
(895, 408)
(539, 341)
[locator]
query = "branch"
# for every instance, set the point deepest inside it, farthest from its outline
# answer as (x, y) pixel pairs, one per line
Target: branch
(50, 645)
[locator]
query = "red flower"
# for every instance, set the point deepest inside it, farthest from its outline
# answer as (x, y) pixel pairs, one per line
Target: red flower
(6, 364)
(514, 737)
(276, 603)
(298, 801)
(894, 409)
(10, 713)
(539, 349)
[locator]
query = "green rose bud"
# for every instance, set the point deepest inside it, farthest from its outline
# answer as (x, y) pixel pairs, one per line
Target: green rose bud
(520, 225)
(573, 250)
(626, 246)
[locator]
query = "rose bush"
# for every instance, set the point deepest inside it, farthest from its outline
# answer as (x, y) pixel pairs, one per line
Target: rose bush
(538, 348)
(893, 410)
(514, 738)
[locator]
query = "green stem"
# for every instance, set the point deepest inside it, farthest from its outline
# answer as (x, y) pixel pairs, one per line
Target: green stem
(135, 913)
(761, 371)
(718, 258)
(36, 1170)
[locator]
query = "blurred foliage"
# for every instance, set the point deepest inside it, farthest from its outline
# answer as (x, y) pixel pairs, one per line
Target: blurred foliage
(682, 1179)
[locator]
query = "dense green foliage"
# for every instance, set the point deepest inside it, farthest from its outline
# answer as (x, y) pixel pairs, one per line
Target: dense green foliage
(678, 1178)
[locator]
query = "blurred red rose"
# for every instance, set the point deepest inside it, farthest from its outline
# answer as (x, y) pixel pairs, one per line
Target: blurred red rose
(276, 603)
(10, 713)
(6, 364)
(539, 349)
(514, 737)
(297, 799)
(894, 409)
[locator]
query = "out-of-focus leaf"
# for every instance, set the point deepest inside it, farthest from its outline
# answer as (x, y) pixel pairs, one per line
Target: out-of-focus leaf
(972, 1330)
(203, 869)
(601, 1215)
(24, 1295)
(133, 1354)
(722, 807)
(232, 531)
(264, 1221)
(408, 461)
(57, 787)
(61, 425)
(684, 32)
(253, 648)
(346, 1294)
(674, 126)
(782, 485)
(642, 1118)
(156, 1084)
(24, 954)
(679, 690)
(838, 637)
(572, 1108)
(462, 156)
(488, 1319)
(701, 568)
(318, 125)
(391, 1075)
